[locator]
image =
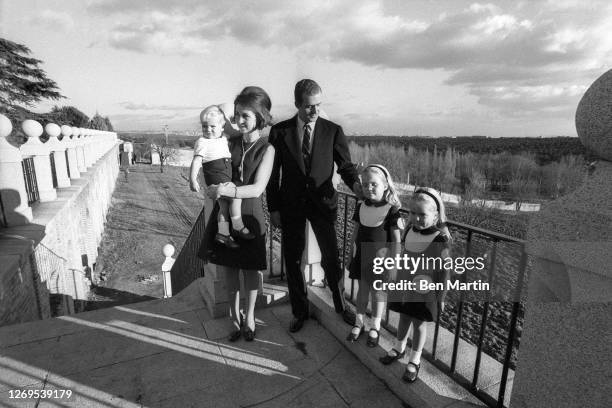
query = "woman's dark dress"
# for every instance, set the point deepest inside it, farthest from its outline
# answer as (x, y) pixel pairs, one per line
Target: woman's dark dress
(252, 253)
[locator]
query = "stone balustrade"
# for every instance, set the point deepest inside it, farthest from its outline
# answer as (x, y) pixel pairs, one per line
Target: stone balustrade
(35, 170)
(54, 197)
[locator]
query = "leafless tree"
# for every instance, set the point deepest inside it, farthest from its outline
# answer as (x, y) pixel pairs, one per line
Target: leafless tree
(165, 151)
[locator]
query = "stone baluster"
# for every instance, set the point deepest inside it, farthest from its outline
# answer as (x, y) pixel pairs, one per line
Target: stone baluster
(95, 145)
(68, 140)
(87, 148)
(40, 155)
(59, 156)
(78, 142)
(13, 195)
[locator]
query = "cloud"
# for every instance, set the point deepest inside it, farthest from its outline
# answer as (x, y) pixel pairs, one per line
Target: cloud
(54, 20)
(141, 106)
(526, 54)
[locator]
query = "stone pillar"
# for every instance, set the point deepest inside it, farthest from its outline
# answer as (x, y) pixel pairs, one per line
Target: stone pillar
(13, 196)
(40, 154)
(214, 284)
(565, 354)
(59, 156)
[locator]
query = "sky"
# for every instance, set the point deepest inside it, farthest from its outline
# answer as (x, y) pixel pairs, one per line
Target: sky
(388, 67)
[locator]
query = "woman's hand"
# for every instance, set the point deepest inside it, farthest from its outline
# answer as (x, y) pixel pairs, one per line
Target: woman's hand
(194, 185)
(212, 191)
(221, 190)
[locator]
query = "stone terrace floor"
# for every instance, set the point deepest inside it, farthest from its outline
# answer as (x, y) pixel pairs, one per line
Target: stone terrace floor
(172, 353)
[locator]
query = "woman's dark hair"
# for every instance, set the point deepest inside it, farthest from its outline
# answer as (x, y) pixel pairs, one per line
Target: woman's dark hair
(257, 99)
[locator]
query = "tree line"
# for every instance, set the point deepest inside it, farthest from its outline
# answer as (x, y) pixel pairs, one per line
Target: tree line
(544, 149)
(23, 83)
(507, 176)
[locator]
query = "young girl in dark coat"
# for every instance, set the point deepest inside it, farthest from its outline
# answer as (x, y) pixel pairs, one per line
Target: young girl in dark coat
(377, 221)
(428, 237)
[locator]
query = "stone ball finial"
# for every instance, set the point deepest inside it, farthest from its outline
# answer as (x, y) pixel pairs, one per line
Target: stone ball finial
(168, 250)
(66, 130)
(31, 128)
(6, 127)
(75, 131)
(594, 117)
(52, 130)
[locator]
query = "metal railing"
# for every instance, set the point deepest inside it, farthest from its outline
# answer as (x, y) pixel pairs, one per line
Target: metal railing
(29, 176)
(188, 266)
(507, 261)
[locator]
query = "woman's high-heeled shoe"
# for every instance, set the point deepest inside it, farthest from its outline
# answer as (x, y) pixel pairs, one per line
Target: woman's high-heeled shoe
(235, 335)
(249, 335)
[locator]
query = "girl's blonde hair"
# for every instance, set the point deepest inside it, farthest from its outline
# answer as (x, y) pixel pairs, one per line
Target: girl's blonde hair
(430, 194)
(390, 195)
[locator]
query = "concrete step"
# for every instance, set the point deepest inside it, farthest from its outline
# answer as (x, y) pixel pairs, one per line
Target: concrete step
(272, 295)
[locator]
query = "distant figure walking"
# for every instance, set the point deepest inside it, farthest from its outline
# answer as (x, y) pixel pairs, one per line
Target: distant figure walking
(126, 162)
(252, 159)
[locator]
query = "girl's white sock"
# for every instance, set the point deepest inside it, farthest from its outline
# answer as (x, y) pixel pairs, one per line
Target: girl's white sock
(400, 345)
(376, 322)
(358, 324)
(223, 227)
(415, 356)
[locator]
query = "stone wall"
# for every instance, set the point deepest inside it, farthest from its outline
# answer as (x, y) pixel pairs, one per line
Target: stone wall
(45, 264)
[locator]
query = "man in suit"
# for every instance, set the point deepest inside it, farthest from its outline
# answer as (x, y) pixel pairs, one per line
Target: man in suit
(300, 188)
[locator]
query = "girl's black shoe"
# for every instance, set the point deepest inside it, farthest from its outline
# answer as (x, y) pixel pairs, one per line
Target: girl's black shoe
(373, 341)
(388, 359)
(352, 337)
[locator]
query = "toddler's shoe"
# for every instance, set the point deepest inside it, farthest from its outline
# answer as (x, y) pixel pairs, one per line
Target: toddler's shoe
(244, 233)
(226, 240)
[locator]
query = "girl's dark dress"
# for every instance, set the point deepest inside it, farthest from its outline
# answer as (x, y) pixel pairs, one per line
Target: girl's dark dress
(374, 225)
(422, 306)
(252, 253)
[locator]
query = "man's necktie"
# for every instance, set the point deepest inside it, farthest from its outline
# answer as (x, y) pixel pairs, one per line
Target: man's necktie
(306, 148)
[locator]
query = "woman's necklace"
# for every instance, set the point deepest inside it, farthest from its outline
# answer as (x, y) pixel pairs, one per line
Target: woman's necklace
(248, 145)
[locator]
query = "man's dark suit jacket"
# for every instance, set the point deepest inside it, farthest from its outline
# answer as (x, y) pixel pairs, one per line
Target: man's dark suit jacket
(290, 190)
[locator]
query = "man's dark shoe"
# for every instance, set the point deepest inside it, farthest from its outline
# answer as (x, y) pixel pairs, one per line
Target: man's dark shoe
(349, 317)
(296, 325)
(226, 240)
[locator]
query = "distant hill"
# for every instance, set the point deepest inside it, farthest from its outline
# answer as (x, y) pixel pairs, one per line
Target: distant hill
(545, 149)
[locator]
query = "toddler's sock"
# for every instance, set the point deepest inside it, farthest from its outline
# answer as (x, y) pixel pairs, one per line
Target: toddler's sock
(237, 223)
(223, 227)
